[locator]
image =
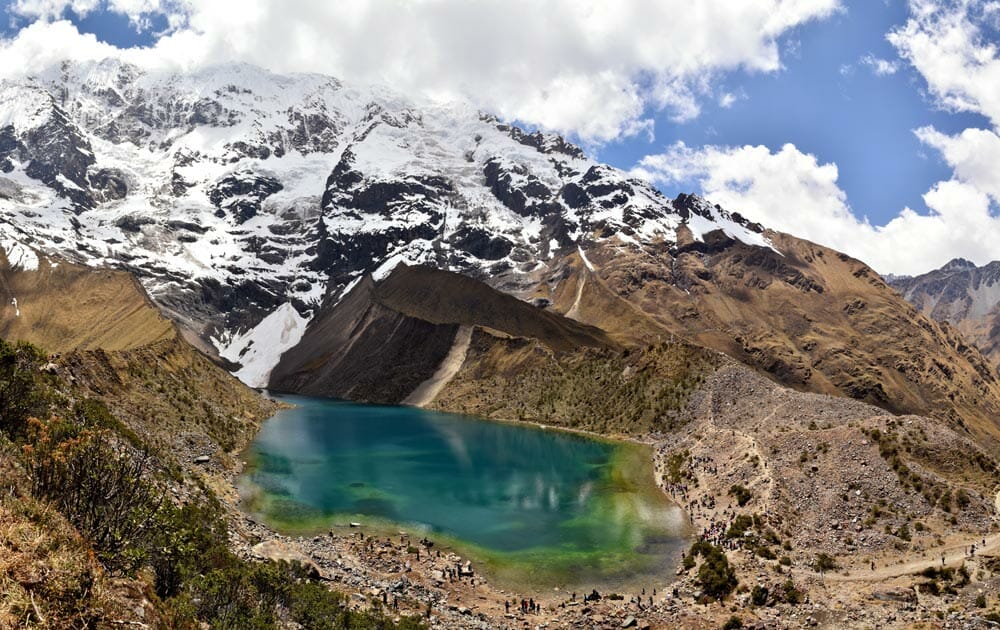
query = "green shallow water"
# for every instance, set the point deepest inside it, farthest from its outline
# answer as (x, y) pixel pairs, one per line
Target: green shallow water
(536, 507)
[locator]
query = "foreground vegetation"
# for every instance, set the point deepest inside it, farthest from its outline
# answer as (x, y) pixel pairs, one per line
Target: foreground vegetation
(86, 514)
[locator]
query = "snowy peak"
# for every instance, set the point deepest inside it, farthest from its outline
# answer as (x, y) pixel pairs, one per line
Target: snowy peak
(233, 191)
(962, 294)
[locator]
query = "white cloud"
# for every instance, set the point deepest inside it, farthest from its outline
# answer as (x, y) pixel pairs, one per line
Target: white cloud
(48, 9)
(793, 192)
(974, 156)
(588, 67)
(880, 67)
(728, 99)
(953, 44)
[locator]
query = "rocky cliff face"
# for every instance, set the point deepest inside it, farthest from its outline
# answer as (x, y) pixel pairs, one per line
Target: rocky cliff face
(232, 191)
(963, 295)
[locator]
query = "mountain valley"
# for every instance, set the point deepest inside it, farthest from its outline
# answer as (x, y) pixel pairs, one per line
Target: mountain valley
(173, 241)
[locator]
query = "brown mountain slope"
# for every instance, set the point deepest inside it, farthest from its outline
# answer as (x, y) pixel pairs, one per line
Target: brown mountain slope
(116, 348)
(63, 306)
(384, 339)
(363, 350)
(810, 317)
(614, 392)
(445, 297)
(965, 296)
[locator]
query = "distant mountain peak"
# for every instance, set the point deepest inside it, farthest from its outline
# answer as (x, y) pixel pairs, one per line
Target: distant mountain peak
(956, 264)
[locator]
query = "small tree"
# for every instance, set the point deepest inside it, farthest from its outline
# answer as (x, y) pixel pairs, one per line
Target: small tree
(825, 562)
(741, 494)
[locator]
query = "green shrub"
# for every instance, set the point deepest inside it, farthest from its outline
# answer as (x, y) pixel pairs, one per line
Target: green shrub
(23, 393)
(741, 494)
(99, 484)
(715, 576)
(739, 527)
(825, 562)
(792, 595)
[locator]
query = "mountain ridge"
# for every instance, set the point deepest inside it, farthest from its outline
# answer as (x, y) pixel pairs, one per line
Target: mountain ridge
(965, 296)
(247, 202)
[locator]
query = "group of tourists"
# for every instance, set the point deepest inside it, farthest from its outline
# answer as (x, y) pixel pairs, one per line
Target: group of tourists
(527, 606)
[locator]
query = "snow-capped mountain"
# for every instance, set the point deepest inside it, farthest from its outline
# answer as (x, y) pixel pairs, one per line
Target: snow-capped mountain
(243, 199)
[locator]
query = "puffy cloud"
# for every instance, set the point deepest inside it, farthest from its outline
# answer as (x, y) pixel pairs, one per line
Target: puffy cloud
(953, 44)
(585, 67)
(974, 155)
(52, 8)
(793, 192)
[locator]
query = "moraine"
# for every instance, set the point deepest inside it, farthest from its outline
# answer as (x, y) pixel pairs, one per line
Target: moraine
(529, 506)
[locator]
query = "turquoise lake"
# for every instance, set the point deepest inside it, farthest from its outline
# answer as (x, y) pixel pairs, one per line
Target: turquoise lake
(535, 506)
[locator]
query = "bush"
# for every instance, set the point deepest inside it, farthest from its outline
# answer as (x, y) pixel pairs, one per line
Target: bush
(716, 578)
(100, 485)
(981, 601)
(688, 562)
(825, 562)
(186, 542)
(22, 391)
(759, 595)
(903, 533)
(741, 494)
(733, 623)
(792, 595)
(962, 499)
(739, 527)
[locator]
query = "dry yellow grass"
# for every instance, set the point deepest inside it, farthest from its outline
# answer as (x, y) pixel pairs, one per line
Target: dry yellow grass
(63, 307)
(49, 577)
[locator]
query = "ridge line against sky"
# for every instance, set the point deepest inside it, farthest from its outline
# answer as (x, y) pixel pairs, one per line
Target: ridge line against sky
(870, 126)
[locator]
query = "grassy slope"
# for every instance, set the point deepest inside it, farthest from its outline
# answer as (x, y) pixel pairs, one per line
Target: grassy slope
(71, 307)
(611, 391)
(115, 346)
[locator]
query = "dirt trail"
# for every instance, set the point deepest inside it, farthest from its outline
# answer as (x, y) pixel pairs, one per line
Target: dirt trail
(429, 389)
(954, 555)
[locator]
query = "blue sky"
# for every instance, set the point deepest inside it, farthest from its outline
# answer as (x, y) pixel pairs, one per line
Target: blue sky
(828, 103)
(767, 107)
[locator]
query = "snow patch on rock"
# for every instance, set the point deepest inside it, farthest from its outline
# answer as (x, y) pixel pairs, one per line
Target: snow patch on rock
(259, 349)
(19, 256)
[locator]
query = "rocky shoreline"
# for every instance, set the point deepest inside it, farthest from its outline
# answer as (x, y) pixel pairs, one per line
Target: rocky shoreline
(877, 582)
